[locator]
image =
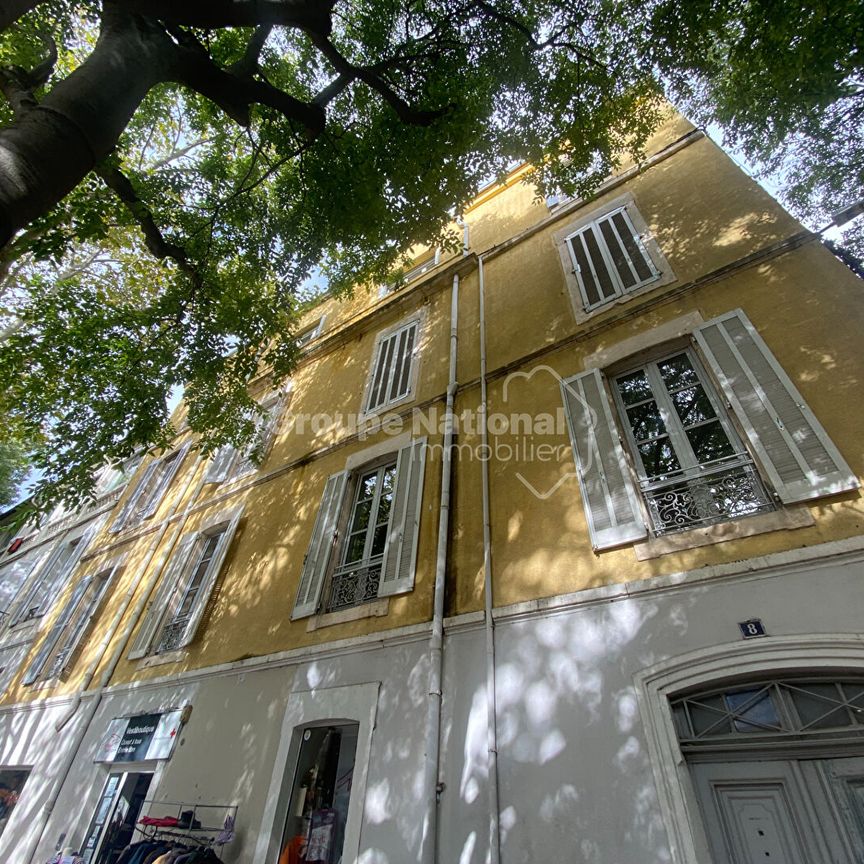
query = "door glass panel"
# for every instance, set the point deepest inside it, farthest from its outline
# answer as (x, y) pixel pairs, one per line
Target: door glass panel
(753, 710)
(820, 706)
(318, 807)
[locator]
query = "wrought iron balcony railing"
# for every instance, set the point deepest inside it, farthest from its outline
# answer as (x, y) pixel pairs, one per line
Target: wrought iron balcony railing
(725, 489)
(353, 584)
(172, 633)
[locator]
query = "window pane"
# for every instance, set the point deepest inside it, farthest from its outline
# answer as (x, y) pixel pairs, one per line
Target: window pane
(678, 372)
(354, 550)
(759, 709)
(710, 442)
(646, 421)
(379, 540)
(818, 708)
(693, 405)
(706, 713)
(625, 274)
(360, 518)
(634, 387)
(658, 457)
(633, 247)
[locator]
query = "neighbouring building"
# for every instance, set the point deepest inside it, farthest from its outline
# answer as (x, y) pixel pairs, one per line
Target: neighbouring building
(555, 553)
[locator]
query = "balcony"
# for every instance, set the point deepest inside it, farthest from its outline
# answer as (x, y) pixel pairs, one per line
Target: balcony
(715, 492)
(355, 583)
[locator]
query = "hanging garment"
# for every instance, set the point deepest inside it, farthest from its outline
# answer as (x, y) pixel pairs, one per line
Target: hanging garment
(321, 837)
(291, 853)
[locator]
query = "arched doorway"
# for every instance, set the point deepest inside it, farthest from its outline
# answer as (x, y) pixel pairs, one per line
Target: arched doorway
(758, 750)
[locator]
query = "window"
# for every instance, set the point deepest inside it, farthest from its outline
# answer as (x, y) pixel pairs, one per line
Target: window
(426, 264)
(12, 576)
(358, 575)
(796, 708)
(309, 334)
(178, 605)
(12, 782)
(56, 653)
(609, 255)
(610, 259)
(692, 467)
(393, 370)
(228, 463)
(10, 659)
(378, 507)
(38, 596)
(147, 494)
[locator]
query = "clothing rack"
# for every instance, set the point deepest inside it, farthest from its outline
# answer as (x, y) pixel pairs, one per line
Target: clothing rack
(206, 833)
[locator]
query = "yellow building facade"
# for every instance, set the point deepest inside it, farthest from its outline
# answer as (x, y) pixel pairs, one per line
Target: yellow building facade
(554, 550)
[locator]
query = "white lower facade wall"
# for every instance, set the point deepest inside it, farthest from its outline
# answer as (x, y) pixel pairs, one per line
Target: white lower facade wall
(583, 773)
(583, 776)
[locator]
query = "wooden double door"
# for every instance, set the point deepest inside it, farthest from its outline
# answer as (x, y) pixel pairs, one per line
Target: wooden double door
(783, 811)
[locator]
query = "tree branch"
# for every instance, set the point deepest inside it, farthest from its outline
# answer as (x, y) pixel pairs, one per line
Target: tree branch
(307, 15)
(195, 68)
(247, 65)
(156, 243)
(12, 10)
(348, 72)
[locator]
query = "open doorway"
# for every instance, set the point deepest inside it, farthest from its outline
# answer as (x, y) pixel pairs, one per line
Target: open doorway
(113, 823)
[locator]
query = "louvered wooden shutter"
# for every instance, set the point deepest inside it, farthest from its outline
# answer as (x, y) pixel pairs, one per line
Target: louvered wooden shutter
(400, 553)
(168, 472)
(793, 448)
(154, 614)
(320, 547)
(132, 500)
(58, 579)
(50, 641)
(220, 464)
(608, 491)
(210, 577)
(90, 605)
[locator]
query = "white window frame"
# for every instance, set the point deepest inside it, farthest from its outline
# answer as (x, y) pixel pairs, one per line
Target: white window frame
(412, 273)
(131, 513)
(237, 464)
(309, 334)
(381, 339)
(662, 272)
(357, 703)
(17, 651)
(216, 525)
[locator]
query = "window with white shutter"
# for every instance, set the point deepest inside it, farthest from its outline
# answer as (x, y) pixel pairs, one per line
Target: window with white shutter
(610, 259)
(175, 613)
(392, 377)
(71, 628)
(228, 463)
(10, 661)
(690, 464)
(148, 492)
(608, 255)
(40, 593)
(378, 509)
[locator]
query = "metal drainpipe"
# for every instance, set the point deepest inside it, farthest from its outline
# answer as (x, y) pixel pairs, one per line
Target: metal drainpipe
(489, 624)
(429, 851)
(68, 761)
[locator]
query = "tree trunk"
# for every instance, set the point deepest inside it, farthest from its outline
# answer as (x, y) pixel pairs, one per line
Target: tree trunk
(46, 154)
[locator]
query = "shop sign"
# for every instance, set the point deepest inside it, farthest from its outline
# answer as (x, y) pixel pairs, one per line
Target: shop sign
(136, 739)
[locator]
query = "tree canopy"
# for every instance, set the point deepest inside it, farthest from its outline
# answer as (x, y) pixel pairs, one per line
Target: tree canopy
(170, 173)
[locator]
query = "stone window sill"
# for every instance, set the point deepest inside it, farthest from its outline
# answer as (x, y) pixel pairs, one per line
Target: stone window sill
(162, 659)
(783, 519)
(375, 609)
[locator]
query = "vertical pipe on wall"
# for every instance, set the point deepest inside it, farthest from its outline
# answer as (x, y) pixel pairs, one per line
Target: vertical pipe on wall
(489, 624)
(62, 774)
(436, 639)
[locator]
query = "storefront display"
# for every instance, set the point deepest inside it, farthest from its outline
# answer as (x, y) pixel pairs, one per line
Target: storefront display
(11, 784)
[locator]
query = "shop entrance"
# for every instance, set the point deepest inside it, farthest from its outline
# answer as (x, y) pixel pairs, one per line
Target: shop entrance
(114, 821)
(314, 830)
